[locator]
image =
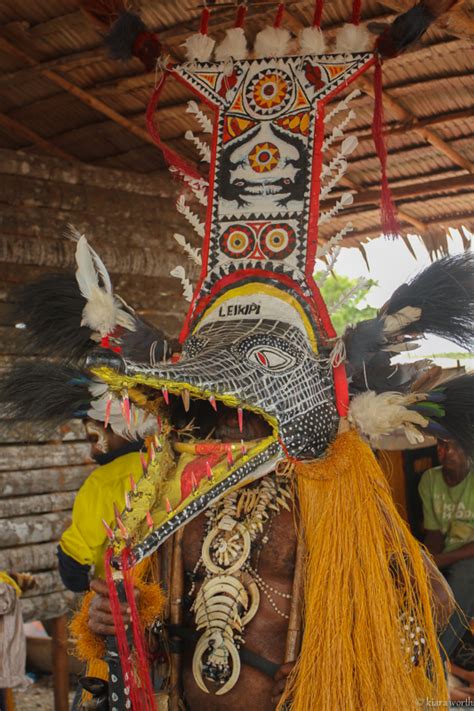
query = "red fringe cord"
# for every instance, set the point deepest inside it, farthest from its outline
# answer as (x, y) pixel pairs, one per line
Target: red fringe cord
(139, 644)
(356, 8)
(318, 13)
(121, 634)
(279, 15)
(241, 13)
(204, 21)
(390, 225)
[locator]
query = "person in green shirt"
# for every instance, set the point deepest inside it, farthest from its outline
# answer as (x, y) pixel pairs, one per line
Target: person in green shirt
(447, 493)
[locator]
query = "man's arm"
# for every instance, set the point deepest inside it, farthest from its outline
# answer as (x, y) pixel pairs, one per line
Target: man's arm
(434, 541)
(442, 595)
(442, 560)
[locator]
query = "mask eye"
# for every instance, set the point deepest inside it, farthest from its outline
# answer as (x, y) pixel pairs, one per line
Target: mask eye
(271, 358)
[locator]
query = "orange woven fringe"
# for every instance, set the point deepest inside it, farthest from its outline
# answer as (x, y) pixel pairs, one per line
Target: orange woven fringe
(89, 646)
(364, 572)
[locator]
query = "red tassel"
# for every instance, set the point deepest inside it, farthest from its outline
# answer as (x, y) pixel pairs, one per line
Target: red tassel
(204, 21)
(279, 15)
(356, 8)
(121, 634)
(390, 225)
(139, 645)
(318, 13)
(241, 14)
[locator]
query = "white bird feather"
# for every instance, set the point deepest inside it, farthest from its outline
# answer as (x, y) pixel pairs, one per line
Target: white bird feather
(377, 415)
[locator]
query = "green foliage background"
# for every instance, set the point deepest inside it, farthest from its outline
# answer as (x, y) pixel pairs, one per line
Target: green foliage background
(343, 313)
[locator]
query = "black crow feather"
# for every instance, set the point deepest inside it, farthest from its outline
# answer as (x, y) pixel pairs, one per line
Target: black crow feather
(122, 35)
(51, 308)
(444, 292)
(45, 392)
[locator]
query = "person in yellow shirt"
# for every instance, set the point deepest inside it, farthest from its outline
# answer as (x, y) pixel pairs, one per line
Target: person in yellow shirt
(82, 545)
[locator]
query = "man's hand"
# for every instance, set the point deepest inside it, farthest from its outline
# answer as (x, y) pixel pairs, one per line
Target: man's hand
(100, 615)
(281, 677)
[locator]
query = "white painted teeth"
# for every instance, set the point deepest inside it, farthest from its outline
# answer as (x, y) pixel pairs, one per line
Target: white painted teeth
(186, 400)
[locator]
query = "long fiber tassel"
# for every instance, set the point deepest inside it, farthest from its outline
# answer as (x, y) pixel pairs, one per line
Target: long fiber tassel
(121, 634)
(139, 644)
(364, 576)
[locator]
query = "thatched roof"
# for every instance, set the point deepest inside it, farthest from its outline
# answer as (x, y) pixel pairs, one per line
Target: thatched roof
(61, 94)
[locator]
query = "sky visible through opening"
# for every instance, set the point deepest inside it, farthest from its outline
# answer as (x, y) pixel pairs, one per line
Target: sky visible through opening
(391, 264)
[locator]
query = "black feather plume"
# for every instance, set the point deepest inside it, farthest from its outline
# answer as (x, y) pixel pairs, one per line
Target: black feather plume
(45, 392)
(51, 307)
(450, 409)
(363, 340)
(444, 292)
(404, 31)
(122, 35)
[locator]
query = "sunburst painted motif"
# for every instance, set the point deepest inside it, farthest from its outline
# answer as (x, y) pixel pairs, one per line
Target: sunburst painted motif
(270, 90)
(264, 157)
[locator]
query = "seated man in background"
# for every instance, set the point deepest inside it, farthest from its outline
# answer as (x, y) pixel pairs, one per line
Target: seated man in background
(447, 493)
(82, 545)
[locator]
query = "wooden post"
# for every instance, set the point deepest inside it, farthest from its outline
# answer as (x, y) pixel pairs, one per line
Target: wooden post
(60, 664)
(176, 615)
(293, 637)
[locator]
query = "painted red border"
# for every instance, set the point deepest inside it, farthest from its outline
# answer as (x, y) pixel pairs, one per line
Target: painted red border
(320, 313)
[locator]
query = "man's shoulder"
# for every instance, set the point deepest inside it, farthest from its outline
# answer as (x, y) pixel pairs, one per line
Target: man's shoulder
(118, 468)
(431, 476)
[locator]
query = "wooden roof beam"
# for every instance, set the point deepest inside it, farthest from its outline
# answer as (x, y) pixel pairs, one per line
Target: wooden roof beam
(402, 214)
(405, 115)
(453, 220)
(28, 134)
(413, 190)
(83, 96)
(408, 126)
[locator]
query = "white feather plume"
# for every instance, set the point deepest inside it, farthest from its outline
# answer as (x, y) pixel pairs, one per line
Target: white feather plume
(377, 415)
(198, 47)
(193, 253)
(342, 105)
(335, 239)
(330, 266)
(353, 38)
(203, 120)
(311, 41)
(203, 148)
(233, 46)
(199, 186)
(338, 130)
(191, 217)
(179, 273)
(102, 312)
(272, 42)
(344, 201)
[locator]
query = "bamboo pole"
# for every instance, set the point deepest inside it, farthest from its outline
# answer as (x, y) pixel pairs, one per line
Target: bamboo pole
(60, 664)
(444, 185)
(404, 114)
(28, 134)
(176, 616)
(79, 93)
(294, 634)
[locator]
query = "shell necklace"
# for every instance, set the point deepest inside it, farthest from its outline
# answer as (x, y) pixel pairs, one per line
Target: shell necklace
(230, 594)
